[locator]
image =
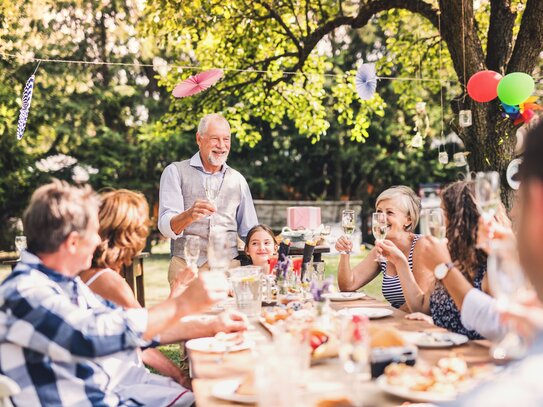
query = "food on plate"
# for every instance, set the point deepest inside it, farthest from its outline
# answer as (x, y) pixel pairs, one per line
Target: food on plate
(385, 337)
(337, 402)
(231, 339)
(323, 344)
(448, 377)
(247, 386)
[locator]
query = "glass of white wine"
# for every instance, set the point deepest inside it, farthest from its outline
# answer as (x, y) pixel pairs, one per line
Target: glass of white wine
(348, 223)
(487, 193)
(379, 229)
(436, 223)
(212, 186)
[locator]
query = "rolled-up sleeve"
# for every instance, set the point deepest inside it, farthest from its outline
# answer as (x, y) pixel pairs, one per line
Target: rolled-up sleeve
(479, 313)
(171, 201)
(246, 215)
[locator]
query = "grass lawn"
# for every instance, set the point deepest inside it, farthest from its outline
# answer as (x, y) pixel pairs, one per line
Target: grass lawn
(157, 288)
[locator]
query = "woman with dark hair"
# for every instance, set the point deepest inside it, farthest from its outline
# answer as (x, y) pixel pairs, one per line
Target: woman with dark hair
(458, 258)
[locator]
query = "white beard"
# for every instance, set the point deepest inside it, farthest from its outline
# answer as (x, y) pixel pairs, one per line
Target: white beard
(217, 162)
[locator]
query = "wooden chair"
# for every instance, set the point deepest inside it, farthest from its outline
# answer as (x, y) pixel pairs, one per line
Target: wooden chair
(134, 276)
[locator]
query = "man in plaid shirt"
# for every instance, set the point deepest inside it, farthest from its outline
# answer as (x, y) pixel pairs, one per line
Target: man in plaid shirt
(62, 344)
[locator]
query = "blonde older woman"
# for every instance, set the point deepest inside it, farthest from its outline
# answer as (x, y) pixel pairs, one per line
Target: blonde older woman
(402, 208)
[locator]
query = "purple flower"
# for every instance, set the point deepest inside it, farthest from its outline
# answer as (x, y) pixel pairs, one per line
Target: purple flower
(319, 288)
(282, 267)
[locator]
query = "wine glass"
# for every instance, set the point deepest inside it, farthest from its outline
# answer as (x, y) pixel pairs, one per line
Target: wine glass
(379, 229)
(348, 223)
(354, 352)
(436, 223)
(217, 252)
(192, 251)
(212, 186)
(487, 193)
(507, 283)
(20, 244)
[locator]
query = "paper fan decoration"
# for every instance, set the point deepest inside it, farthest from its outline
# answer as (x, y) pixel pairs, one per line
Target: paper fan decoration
(197, 83)
(366, 81)
(23, 115)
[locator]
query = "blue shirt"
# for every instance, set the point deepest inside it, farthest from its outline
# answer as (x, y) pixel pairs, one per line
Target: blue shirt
(171, 201)
(57, 338)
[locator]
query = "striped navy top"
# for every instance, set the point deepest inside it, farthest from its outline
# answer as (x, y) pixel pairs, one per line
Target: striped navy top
(391, 288)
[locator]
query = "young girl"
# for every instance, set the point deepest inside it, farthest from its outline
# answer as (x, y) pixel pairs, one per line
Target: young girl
(260, 245)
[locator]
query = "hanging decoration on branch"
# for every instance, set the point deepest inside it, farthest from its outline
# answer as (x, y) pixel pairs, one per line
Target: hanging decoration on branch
(513, 90)
(27, 99)
(197, 83)
(366, 81)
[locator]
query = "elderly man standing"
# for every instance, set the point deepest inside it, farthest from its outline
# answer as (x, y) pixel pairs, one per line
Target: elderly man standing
(65, 346)
(185, 211)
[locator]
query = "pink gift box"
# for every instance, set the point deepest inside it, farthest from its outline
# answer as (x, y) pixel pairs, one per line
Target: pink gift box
(303, 217)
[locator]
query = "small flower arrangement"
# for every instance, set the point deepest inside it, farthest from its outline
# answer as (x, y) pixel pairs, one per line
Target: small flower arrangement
(318, 288)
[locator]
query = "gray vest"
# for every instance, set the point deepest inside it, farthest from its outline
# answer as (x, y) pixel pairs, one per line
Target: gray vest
(227, 202)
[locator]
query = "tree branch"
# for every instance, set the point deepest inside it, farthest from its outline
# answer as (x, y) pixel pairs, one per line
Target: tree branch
(280, 21)
(529, 43)
(500, 35)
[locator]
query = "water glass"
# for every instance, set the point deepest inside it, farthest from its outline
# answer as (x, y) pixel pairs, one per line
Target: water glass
(217, 251)
(192, 250)
(508, 284)
(277, 372)
(247, 285)
(20, 244)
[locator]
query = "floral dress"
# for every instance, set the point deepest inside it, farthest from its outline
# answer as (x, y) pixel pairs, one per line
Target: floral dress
(444, 311)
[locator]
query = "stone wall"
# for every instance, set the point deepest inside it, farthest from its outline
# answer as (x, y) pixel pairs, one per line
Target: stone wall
(274, 213)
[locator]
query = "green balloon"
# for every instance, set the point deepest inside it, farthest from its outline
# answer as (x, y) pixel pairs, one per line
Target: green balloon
(515, 88)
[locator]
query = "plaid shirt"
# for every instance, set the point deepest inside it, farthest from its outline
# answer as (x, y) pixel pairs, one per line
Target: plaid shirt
(62, 344)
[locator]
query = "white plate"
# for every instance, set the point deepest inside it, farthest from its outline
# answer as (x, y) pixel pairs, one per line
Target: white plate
(344, 296)
(371, 313)
(226, 390)
(212, 345)
(435, 339)
(412, 395)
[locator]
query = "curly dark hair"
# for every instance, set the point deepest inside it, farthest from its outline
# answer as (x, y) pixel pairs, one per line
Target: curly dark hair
(462, 214)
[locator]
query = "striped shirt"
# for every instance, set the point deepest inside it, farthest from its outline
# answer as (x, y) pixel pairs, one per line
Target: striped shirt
(392, 288)
(65, 346)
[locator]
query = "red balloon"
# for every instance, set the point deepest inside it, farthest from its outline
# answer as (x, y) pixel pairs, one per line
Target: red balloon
(483, 86)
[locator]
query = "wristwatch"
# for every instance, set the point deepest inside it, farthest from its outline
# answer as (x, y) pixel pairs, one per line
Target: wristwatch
(441, 270)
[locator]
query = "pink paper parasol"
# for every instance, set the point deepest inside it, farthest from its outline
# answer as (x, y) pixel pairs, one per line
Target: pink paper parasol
(197, 83)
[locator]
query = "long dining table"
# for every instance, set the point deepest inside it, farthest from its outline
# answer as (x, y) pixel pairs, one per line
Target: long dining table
(325, 380)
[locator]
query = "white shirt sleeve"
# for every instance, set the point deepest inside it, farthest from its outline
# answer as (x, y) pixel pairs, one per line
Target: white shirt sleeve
(170, 202)
(479, 313)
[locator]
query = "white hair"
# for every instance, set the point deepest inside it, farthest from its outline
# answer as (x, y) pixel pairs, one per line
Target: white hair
(406, 198)
(204, 122)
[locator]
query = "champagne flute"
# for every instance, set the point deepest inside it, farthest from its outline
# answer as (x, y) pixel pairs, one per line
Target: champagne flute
(217, 252)
(20, 244)
(487, 193)
(379, 228)
(507, 283)
(348, 224)
(212, 186)
(354, 352)
(192, 251)
(436, 224)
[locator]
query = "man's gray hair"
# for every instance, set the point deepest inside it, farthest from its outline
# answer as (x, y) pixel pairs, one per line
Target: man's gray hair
(204, 122)
(56, 210)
